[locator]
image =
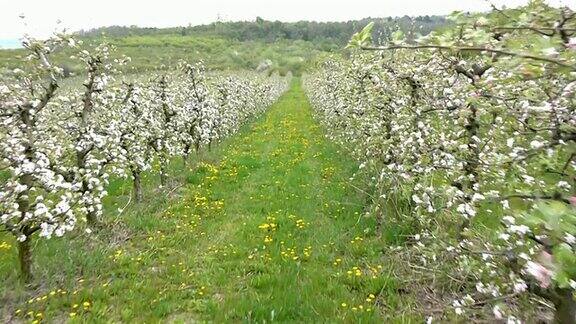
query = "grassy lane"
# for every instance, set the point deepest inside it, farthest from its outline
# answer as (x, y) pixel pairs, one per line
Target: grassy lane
(285, 247)
(266, 229)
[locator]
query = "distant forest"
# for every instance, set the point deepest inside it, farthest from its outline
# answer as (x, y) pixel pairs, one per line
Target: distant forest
(272, 46)
(271, 31)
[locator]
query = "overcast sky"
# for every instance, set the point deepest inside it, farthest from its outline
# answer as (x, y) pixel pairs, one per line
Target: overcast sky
(41, 16)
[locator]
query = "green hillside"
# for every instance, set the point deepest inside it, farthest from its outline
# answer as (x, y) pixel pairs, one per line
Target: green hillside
(272, 46)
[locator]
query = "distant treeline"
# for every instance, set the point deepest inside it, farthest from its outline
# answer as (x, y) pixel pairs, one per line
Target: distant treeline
(278, 46)
(270, 31)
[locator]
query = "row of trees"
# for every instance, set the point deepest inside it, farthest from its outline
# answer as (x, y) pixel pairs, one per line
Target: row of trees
(336, 33)
(469, 137)
(60, 142)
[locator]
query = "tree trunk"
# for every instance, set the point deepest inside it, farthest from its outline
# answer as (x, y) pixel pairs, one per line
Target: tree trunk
(185, 158)
(137, 186)
(92, 219)
(163, 175)
(471, 164)
(25, 259)
(186, 154)
(379, 223)
(565, 307)
(91, 215)
(24, 252)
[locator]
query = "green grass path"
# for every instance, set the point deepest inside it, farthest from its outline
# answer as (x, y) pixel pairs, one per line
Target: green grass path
(267, 229)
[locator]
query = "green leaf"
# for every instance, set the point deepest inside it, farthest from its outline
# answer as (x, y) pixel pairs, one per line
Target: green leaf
(565, 261)
(455, 16)
(362, 38)
(398, 36)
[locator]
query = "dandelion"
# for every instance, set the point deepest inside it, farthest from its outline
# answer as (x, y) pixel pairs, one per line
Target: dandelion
(5, 246)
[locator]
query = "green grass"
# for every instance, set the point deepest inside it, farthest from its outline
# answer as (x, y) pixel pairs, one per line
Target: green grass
(265, 228)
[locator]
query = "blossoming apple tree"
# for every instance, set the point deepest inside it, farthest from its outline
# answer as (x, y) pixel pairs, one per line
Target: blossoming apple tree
(474, 129)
